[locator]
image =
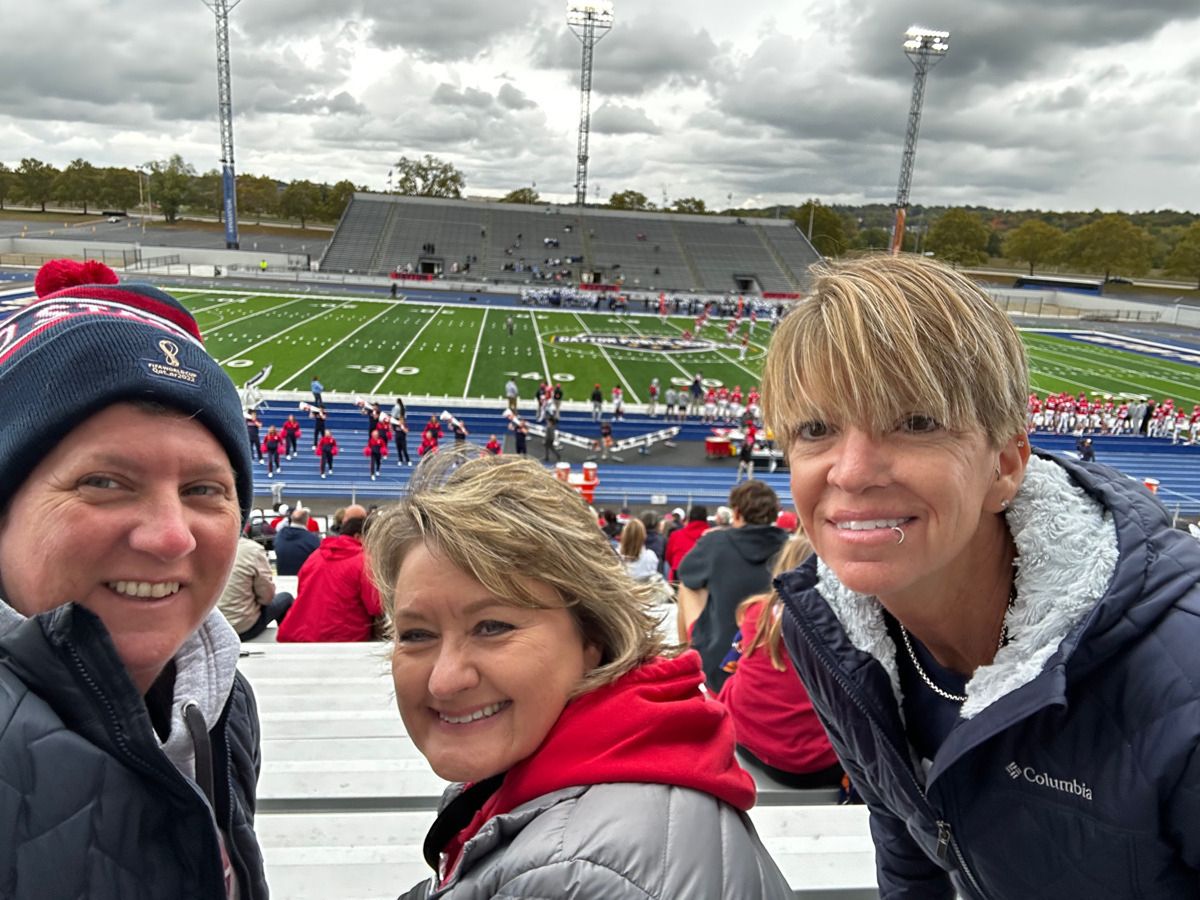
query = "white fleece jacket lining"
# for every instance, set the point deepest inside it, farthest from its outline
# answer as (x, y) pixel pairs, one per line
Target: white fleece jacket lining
(1067, 554)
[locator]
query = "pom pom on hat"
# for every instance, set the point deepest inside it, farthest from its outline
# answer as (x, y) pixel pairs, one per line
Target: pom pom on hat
(59, 274)
(89, 342)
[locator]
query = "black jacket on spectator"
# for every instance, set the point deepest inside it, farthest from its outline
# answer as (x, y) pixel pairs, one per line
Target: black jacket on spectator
(733, 563)
(81, 770)
(293, 544)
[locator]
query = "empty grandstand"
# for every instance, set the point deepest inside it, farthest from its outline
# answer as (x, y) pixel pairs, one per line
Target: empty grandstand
(383, 233)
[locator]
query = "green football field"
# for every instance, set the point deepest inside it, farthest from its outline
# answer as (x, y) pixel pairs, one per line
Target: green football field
(380, 349)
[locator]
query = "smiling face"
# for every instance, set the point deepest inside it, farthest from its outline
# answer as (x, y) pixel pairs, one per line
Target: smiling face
(479, 682)
(134, 515)
(941, 489)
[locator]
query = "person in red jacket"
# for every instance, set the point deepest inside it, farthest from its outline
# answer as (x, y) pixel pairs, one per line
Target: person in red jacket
(291, 436)
(335, 598)
(376, 449)
(493, 447)
(684, 539)
(272, 444)
(777, 728)
(327, 449)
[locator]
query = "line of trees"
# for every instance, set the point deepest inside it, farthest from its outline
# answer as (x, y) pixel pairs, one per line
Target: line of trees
(172, 186)
(1112, 244)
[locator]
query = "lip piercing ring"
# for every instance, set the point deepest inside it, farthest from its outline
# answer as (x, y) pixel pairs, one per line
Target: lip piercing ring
(900, 532)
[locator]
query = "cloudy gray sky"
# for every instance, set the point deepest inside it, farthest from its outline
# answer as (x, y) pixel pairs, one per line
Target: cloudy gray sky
(1051, 104)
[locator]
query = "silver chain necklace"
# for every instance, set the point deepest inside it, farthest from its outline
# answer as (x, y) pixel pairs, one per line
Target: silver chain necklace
(929, 682)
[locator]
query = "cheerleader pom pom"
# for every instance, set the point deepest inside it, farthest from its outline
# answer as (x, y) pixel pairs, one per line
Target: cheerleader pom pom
(60, 274)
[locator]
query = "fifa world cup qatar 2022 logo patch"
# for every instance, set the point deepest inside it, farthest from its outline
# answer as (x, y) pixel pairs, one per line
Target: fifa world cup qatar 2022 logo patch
(169, 366)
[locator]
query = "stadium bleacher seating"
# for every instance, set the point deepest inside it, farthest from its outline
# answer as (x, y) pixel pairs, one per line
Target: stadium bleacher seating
(380, 233)
(345, 799)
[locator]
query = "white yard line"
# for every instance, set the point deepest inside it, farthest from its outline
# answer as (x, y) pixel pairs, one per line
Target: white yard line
(475, 355)
(308, 366)
(252, 315)
(277, 334)
(396, 364)
(537, 336)
(632, 394)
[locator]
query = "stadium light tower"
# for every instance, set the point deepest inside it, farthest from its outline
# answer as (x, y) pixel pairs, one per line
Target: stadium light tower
(924, 49)
(221, 9)
(590, 20)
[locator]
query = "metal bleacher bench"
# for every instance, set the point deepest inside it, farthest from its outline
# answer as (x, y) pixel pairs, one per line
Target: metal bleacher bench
(345, 798)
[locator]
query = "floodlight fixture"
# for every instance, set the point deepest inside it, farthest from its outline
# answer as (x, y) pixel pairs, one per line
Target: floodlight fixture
(589, 20)
(221, 10)
(924, 48)
(598, 11)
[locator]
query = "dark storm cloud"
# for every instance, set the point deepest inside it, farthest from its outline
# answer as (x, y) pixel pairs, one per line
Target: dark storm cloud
(447, 29)
(513, 98)
(999, 41)
(638, 54)
(612, 118)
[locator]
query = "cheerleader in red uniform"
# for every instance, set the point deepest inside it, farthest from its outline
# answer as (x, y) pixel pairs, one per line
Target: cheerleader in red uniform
(327, 449)
(291, 436)
(271, 446)
(376, 449)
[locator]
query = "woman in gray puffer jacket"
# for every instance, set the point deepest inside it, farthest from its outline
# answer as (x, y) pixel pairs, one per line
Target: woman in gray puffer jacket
(528, 668)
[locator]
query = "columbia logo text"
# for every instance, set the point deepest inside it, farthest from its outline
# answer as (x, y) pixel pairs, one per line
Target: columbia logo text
(1042, 779)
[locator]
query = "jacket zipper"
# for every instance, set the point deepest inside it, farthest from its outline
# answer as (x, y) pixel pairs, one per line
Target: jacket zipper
(118, 732)
(945, 838)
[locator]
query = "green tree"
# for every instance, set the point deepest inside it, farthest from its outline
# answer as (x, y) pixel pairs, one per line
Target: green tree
(300, 200)
(1185, 257)
(522, 195)
(6, 183)
(257, 195)
(208, 194)
(1110, 243)
(335, 199)
(823, 226)
(874, 238)
(1034, 242)
(629, 200)
(117, 188)
(78, 183)
(35, 181)
(959, 236)
(428, 177)
(693, 205)
(170, 185)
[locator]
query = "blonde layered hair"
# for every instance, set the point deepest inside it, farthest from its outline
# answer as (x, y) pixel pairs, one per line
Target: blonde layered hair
(770, 620)
(505, 521)
(882, 338)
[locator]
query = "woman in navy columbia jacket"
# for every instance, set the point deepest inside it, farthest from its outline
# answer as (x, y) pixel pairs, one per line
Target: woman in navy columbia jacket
(1002, 645)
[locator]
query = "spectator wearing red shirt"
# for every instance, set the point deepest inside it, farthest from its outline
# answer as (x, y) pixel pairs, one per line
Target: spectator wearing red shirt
(493, 446)
(684, 539)
(777, 728)
(335, 598)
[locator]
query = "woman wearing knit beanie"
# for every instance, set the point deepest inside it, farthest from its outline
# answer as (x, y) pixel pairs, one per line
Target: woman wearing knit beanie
(128, 742)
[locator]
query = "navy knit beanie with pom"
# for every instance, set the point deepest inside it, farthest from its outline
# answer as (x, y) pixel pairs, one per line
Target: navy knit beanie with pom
(87, 343)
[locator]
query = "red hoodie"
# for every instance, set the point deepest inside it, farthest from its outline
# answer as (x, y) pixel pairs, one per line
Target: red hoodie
(653, 725)
(680, 543)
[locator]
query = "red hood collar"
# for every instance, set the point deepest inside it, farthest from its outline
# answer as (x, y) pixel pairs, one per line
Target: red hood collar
(653, 725)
